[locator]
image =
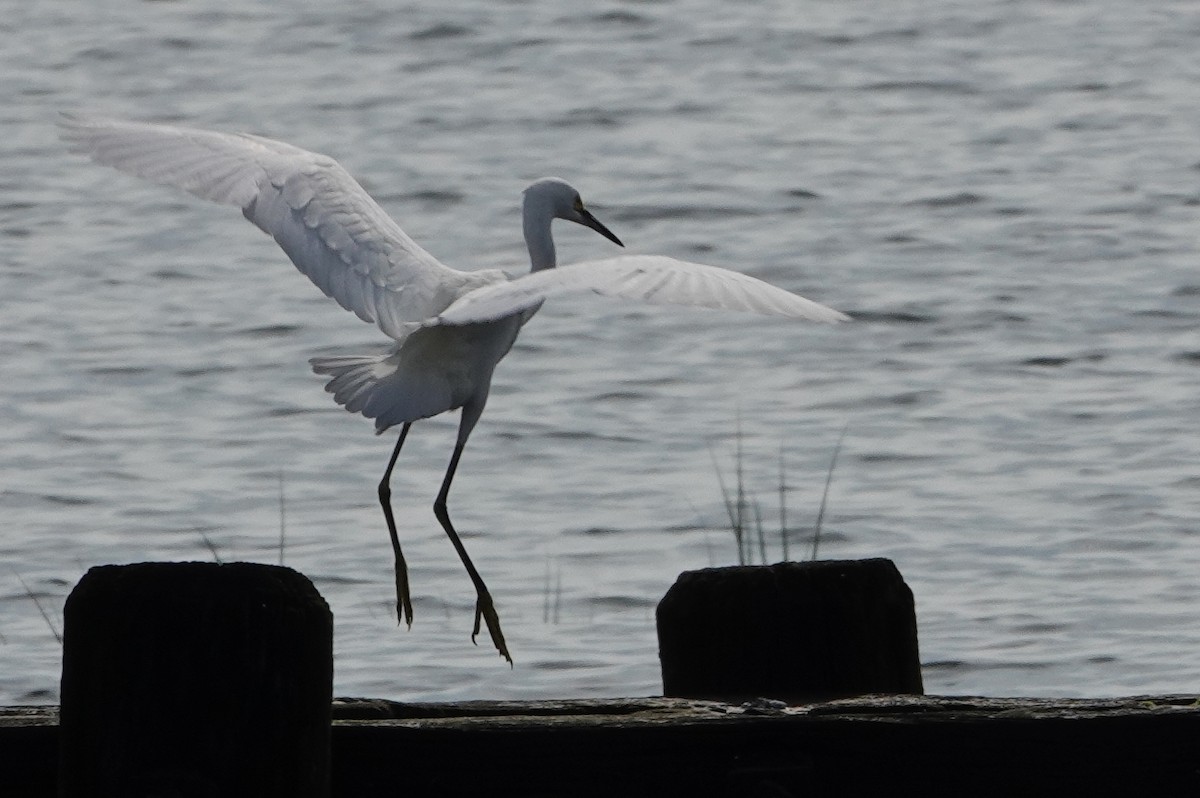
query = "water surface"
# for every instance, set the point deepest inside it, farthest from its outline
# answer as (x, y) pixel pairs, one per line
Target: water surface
(1003, 194)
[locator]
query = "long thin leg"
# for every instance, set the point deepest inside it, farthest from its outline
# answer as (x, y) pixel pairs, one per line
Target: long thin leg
(484, 608)
(403, 599)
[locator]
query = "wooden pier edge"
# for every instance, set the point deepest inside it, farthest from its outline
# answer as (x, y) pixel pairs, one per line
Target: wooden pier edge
(684, 746)
(935, 745)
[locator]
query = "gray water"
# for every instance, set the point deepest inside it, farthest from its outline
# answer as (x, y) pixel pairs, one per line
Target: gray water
(1004, 194)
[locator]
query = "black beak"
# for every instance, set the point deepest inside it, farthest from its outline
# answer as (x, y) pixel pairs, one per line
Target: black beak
(591, 221)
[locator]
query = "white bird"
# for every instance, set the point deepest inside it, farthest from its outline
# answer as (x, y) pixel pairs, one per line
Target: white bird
(450, 327)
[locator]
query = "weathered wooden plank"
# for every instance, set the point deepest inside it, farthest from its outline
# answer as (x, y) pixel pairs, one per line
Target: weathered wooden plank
(669, 747)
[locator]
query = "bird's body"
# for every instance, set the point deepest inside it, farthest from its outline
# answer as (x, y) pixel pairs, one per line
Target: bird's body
(450, 328)
(430, 371)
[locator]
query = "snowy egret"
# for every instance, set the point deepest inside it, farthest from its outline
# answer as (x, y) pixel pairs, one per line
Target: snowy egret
(450, 327)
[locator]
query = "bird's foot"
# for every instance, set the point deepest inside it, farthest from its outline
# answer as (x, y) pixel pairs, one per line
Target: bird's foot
(486, 611)
(404, 610)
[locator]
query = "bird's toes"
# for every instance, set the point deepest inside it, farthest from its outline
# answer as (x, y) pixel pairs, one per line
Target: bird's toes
(478, 617)
(404, 613)
(485, 610)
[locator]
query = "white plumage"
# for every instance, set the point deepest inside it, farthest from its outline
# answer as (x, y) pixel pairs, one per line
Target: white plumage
(646, 278)
(451, 327)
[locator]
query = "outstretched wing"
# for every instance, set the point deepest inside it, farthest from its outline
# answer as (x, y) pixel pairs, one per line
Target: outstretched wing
(645, 278)
(322, 218)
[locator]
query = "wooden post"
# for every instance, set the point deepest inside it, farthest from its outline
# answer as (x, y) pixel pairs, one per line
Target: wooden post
(196, 679)
(796, 632)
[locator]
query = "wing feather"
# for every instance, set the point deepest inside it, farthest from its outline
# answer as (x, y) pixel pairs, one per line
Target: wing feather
(322, 218)
(645, 278)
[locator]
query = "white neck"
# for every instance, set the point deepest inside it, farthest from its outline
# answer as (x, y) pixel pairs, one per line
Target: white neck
(536, 218)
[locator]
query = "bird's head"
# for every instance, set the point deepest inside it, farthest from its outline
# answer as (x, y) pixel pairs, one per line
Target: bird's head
(554, 198)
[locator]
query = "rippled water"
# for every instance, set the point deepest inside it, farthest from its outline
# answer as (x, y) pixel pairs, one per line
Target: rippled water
(1005, 195)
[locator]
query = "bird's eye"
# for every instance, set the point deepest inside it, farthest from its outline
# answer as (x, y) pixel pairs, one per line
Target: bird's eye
(578, 205)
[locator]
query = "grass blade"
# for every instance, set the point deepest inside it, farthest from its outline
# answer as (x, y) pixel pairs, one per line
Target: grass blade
(41, 609)
(825, 494)
(282, 519)
(783, 530)
(729, 506)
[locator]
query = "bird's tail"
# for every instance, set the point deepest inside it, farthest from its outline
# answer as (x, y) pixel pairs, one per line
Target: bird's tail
(389, 388)
(356, 380)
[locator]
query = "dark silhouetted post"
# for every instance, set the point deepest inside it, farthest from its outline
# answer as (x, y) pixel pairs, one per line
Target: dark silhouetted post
(196, 679)
(796, 632)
